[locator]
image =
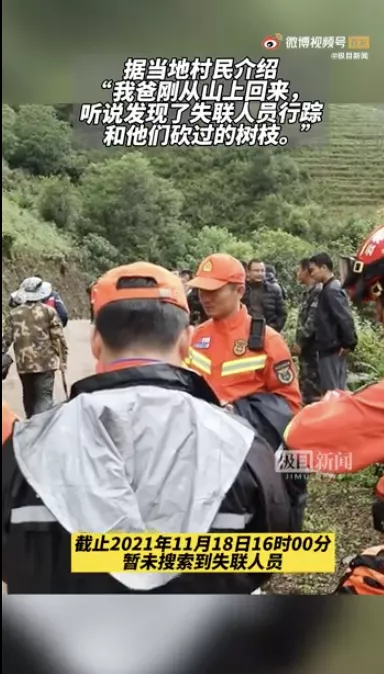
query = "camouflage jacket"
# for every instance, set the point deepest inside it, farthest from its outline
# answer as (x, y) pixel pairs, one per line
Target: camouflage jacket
(305, 332)
(4, 333)
(37, 336)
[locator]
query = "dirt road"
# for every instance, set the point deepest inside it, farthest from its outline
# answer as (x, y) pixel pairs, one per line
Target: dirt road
(80, 364)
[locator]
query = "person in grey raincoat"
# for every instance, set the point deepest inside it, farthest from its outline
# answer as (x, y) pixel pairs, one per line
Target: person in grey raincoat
(142, 446)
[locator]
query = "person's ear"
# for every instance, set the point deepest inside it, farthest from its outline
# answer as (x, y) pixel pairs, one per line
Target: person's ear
(96, 344)
(241, 290)
(185, 342)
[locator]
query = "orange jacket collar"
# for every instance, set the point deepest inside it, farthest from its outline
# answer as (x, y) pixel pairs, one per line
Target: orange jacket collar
(233, 321)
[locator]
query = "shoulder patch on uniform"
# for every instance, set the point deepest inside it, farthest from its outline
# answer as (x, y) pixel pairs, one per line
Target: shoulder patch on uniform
(284, 371)
(240, 347)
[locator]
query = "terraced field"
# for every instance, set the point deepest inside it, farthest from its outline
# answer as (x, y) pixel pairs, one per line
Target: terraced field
(347, 167)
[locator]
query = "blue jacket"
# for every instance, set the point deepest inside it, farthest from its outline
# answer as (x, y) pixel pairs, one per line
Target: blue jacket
(55, 301)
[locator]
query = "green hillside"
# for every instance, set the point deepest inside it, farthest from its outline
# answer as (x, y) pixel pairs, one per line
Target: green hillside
(68, 207)
(348, 167)
(33, 247)
(23, 233)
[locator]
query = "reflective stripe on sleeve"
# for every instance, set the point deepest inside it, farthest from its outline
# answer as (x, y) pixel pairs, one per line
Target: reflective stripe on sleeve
(31, 514)
(243, 365)
(199, 361)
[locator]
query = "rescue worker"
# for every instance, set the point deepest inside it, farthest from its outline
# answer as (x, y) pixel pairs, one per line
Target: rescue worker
(247, 363)
(352, 425)
(305, 346)
(39, 344)
(53, 299)
(237, 355)
(145, 446)
(365, 575)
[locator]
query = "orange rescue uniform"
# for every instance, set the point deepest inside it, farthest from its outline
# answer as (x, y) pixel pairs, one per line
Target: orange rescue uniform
(365, 575)
(347, 425)
(220, 353)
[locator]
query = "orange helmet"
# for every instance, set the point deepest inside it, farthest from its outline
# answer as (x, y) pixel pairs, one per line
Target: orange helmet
(365, 574)
(363, 275)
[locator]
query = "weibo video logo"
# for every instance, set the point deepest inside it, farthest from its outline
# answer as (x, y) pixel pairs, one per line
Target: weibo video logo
(272, 42)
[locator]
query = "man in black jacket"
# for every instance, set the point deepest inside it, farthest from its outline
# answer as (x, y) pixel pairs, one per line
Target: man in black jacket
(271, 277)
(196, 311)
(335, 331)
(264, 299)
(145, 446)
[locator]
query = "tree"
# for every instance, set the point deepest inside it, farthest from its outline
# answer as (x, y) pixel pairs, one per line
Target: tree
(8, 130)
(99, 255)
(43, 142)
(135, 210)
(276, 212)
(216, 240)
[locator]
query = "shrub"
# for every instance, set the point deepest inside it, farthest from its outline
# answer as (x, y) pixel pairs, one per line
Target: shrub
(367, 361)
(6, 175)
(59, 203)
(215, 240)
(99, 255)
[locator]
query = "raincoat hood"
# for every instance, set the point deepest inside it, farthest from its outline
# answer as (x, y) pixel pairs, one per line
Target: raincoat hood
(131, 460)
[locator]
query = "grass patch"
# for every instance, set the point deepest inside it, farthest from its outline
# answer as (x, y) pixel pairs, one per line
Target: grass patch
(23, 233)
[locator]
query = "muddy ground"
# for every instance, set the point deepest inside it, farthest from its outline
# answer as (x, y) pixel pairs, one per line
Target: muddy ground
(342, 505)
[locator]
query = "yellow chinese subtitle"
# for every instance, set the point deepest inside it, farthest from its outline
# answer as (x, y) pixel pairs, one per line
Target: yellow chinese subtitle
(203, 553)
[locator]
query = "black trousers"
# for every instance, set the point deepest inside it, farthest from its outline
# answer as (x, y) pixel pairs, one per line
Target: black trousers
(37, 392)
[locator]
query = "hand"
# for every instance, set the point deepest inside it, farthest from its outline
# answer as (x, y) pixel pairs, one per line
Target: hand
(331, 395)
(344, 352)
(337, 393)
(296, 350)
(226, 406)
